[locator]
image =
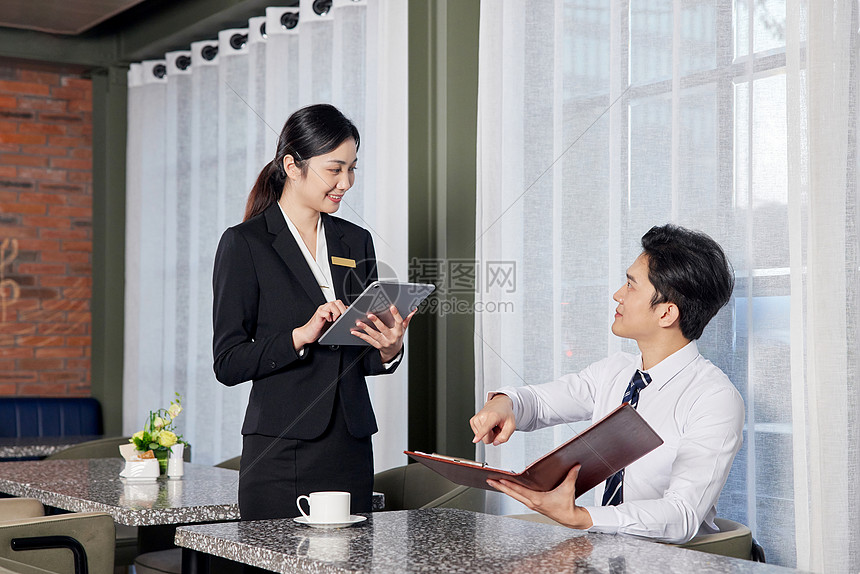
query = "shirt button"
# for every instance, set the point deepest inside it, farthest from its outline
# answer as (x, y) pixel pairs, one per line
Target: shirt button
(334, 347)
(273, 364)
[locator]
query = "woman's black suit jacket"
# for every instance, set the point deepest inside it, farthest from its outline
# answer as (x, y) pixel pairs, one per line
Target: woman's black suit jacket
(263, 289)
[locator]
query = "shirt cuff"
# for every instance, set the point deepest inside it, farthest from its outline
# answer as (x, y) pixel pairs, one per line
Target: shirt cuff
(605, 519)
(393, 361)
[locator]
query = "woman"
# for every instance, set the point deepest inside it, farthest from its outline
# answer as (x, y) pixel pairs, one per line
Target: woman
(281, 277)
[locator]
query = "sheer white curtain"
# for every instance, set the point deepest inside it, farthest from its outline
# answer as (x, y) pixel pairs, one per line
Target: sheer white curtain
(822, 84)
(282, 69)
(260, 137)
(381, 202)
(201, 126)
(177, 201)
(145, 231)
(600, 119)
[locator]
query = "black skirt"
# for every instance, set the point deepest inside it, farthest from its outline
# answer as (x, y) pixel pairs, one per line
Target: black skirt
(276, 471)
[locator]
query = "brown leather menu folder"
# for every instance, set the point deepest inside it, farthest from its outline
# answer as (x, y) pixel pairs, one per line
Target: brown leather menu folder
(602, 449)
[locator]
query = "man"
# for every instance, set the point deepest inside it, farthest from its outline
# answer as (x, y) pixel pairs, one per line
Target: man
(673, 289)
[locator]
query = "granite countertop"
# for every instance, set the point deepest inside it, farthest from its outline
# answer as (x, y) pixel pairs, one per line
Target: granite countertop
(38, 446)
(203, 494)
(448, 540)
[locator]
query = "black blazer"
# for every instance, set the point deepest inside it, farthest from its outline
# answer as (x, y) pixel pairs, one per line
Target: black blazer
(263, 289)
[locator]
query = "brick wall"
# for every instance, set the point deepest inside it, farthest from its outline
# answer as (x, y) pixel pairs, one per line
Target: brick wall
(45, 231)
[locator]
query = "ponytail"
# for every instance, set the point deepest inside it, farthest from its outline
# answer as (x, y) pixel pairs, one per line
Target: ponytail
(267, 190)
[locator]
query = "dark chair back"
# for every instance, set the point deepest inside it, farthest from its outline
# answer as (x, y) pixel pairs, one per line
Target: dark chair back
(99, 448)
(102, 448)
(230, 463)
(416, 486)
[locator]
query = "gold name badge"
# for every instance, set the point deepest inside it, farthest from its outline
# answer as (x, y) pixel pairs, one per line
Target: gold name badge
(343, 262)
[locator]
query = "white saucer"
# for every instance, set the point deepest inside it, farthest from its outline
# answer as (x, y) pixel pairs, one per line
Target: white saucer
(353, 519)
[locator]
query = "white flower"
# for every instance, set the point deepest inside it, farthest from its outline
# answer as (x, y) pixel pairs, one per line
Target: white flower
(166, 439)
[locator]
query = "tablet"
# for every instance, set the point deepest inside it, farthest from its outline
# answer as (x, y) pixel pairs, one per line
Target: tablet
(376, 299)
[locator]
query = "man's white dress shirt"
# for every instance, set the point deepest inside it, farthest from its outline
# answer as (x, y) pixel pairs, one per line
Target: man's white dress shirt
(673, 490)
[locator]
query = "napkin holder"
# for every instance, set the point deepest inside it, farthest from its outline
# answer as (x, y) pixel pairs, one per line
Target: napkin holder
(141, 469)
(138, 469)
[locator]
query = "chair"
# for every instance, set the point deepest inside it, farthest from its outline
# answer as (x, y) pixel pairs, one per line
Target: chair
(126, 536)
(170, 561)
(230, 463)
(14, 508)
(99, 448)
(22, 569)
(33, 543)
(125, 546)
(416, 486)
(734, 540)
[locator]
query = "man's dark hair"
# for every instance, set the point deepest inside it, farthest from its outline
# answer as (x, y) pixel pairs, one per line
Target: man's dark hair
(689, 269)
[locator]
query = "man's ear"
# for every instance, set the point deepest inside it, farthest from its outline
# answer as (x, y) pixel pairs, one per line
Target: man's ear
(669, 314)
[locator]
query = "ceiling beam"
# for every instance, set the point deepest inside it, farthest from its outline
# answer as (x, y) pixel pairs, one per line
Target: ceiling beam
(86, 52)
(143, 32)
(180, 23)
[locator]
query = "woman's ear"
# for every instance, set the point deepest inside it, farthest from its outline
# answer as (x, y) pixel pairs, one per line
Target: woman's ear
(293, 171)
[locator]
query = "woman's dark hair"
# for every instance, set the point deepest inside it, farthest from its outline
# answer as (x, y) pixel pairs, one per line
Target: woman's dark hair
(311, 131)
(689, 269)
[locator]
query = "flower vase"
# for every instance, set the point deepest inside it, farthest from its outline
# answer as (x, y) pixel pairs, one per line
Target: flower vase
(162, 454)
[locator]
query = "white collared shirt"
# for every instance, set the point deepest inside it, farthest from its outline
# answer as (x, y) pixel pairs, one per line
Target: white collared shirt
(320, 266)
(322, 272)
(673, 490)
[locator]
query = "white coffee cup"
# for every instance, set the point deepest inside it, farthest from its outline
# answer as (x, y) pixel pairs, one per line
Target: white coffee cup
(326, 507)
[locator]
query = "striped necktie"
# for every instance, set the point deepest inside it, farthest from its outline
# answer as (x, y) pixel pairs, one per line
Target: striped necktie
(613, 494)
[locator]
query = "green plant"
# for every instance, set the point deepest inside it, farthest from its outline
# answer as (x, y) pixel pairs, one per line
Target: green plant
(159, 432)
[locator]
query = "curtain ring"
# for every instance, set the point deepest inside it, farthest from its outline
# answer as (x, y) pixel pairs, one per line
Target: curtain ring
(322, 7)
(159, 71)
(289, 20)
(209, 52)
(238, 41)
(182, 62)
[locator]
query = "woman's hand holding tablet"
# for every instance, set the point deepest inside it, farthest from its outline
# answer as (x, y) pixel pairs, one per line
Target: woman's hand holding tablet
(372, 309)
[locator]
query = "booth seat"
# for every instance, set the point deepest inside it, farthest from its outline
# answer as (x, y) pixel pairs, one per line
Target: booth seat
(49, 416)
